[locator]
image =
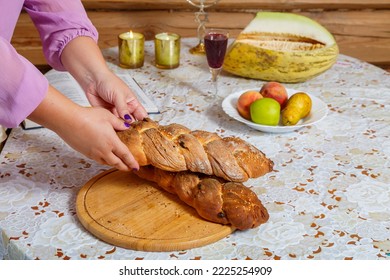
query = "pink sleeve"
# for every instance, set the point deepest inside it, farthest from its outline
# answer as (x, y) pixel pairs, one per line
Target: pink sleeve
(22, 86)
(58, 22)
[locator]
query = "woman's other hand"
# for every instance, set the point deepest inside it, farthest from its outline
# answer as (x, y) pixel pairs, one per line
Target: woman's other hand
(84, 60)
(110, 92)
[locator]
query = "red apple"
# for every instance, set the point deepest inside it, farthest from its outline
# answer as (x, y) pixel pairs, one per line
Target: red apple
(244, 102)
(276, 91)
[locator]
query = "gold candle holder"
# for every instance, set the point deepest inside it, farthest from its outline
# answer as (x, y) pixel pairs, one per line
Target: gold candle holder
(167, 50)
(131, 50)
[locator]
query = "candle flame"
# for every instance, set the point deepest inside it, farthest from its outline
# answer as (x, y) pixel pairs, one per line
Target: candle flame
(131, 34)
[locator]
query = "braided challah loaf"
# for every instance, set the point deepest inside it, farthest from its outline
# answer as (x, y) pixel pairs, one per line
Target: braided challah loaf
(176, 148)
(214, 199)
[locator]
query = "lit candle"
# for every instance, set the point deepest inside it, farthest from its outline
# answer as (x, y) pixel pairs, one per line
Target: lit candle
(167, 50)
(131, 49)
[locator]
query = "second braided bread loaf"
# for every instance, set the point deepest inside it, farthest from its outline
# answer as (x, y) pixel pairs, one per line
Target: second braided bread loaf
(214, 199)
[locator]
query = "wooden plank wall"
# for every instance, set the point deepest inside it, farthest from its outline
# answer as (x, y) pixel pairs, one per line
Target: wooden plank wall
(361, 27)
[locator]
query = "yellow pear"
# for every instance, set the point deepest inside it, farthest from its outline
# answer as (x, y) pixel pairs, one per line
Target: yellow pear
(298, 107)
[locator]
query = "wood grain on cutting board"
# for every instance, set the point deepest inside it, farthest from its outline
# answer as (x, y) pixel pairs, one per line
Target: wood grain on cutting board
(127, 211)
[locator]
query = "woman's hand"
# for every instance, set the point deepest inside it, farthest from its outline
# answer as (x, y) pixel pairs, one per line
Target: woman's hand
(93, 134)
(90, 131)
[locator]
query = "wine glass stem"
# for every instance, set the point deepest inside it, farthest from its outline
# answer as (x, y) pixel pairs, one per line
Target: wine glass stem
(214, 73)
(215, 88)
(214, 77)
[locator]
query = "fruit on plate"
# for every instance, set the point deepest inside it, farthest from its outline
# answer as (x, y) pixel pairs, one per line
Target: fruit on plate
(245, 100)
(298, 107)
(282, 47)
(265, 111)
(276, 91)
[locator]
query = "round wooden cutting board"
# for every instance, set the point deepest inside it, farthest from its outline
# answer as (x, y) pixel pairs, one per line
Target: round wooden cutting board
(126, 211)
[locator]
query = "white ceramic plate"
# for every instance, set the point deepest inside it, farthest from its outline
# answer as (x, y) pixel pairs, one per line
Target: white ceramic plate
(318, 111)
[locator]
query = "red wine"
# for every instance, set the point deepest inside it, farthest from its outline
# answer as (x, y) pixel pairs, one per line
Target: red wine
(215, 44)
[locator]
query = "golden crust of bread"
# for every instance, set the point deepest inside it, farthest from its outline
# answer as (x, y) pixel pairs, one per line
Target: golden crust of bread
(176, 148)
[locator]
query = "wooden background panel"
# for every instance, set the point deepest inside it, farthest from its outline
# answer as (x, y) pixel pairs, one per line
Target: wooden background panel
(238, 4)
(361, 33)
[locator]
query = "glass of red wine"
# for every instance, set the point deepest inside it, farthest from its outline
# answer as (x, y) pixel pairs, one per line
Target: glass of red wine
(215, 42)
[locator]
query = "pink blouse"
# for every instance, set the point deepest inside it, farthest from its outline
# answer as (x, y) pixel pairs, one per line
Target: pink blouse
(22, 86)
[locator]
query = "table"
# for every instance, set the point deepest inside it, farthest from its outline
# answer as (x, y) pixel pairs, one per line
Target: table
(328, 198)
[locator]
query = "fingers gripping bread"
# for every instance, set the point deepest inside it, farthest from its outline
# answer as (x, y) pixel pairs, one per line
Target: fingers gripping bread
(176, 148)
(214, 199)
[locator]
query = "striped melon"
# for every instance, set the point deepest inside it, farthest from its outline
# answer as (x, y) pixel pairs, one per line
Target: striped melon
(282, 47)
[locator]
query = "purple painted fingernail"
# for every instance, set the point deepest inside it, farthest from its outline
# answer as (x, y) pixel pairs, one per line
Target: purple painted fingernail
(135, 169)
(127, 117)
(127, 124)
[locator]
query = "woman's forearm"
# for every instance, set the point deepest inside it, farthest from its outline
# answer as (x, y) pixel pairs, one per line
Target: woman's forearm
(55, 111)
(84, 60)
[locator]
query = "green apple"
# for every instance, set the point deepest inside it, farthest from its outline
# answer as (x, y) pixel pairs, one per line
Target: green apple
(265, 111)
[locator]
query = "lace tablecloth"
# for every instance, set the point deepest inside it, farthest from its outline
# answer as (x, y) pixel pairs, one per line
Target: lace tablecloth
(328, 198)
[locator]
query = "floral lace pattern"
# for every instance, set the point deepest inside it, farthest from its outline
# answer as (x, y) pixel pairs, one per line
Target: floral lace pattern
(328, 197)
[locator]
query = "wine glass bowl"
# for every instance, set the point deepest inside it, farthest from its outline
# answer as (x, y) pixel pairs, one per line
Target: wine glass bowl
(215, 42)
